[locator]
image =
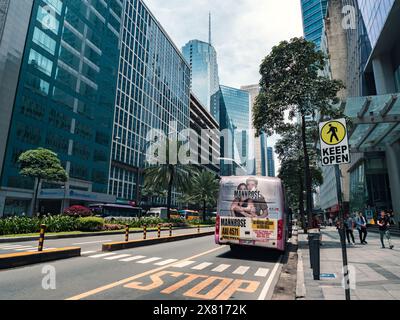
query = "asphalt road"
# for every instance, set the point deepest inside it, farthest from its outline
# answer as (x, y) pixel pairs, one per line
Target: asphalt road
(183, 270)
(88, 244)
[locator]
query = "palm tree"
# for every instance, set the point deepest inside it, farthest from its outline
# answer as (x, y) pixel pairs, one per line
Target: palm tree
(169, 175)
(204, 189)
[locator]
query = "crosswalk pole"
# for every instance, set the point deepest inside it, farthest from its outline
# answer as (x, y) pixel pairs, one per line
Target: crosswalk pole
(144, 232)
(170, 229)
(159, 230)
(127, 233)
(41, 238)
(198, 228)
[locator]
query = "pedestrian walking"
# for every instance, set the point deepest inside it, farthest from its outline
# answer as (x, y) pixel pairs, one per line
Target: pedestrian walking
(361, 223)
(384, 229)
(349, 227)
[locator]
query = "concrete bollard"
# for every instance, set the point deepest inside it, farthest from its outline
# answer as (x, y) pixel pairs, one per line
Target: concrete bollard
(41, 237)
(126, 233)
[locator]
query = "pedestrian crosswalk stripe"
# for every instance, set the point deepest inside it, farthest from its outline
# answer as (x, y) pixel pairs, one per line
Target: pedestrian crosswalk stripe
(87, 252)
(149, 260)
(261, 272)
(241, 270)
(132, 258)
(202, 266)
(221, 268)
(117, 257)
(102, 255)
(183, 264)
(165, 262)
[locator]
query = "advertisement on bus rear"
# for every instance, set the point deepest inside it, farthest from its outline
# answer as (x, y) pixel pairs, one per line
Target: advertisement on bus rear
(250, 210)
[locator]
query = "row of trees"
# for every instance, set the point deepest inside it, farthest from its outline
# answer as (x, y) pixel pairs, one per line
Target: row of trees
(197, 186)
(293, 88)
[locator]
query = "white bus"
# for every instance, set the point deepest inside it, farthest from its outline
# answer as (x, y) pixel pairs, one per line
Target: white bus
(252, 212)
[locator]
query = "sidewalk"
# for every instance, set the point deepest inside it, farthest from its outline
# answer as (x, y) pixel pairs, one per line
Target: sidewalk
(375, 272)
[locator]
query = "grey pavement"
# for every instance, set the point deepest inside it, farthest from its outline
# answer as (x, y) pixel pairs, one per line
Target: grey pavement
(374, 272)
(189, 269)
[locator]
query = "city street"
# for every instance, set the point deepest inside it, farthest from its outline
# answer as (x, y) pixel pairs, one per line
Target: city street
(190, 269)
(88, 244)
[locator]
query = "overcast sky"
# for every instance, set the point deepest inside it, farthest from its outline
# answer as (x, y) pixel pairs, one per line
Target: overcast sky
(244, 31)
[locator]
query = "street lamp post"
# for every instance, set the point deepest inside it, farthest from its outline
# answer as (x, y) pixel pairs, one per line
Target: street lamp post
(139, 172)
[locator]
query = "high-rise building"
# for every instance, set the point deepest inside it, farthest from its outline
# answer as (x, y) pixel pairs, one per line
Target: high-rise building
(230, 107)
(207, 144)
(374, 106)
(64, 99)
(271, 162)
(153, 93)
(88, 80)
(314, 12)
(202, 58)
(258, 145)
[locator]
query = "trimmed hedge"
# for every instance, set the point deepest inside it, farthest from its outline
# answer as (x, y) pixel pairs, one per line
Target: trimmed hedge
(90, 224)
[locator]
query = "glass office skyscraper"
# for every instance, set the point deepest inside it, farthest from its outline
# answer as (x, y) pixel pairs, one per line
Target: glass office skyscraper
(230, 107)
(202, 58)
(271, 162)
(375, 14)
(314, 12)
(65, 95)
(94, 77)
(153, 93)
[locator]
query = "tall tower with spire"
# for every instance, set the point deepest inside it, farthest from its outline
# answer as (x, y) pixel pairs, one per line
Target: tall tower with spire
(202, 57)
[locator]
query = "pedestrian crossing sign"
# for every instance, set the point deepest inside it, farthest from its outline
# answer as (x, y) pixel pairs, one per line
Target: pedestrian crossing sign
(334, 142)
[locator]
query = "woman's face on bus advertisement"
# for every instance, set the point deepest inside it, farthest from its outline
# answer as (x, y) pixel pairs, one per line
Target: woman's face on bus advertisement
(242, 187)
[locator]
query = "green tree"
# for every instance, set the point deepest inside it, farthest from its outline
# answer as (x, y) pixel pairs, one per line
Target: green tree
(203, 190)
(42, 165)
(292, 167)
(292, 84)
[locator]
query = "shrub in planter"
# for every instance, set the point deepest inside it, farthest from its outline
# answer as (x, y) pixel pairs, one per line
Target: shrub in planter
(19, 225)
(90, 224)
(59, 223)
(78, 211)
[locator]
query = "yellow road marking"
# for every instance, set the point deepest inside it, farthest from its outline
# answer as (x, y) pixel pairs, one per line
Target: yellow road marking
(124, 281)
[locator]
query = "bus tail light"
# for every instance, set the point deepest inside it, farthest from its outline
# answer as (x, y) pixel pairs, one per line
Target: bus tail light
(280, 229)
(217, 224)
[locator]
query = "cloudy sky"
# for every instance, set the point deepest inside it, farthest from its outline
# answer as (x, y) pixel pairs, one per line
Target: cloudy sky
(244, 31)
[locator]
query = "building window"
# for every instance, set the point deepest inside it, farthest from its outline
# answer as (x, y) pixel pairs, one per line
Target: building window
(36, 60)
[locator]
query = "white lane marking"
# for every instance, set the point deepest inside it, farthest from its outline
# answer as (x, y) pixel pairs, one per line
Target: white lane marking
(120, 256)
(87, 252)
(75, 244)
(268, 284)
(102, 255)
(183, 264)
(26, 249)
(132, 258)
(221, 268)
(202, 266)
(241, 270)
(149, 260)
(261, 272)
(14, 247)
(165, 262)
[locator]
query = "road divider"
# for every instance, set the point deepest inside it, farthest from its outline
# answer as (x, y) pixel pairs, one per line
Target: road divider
(114, 246)
(13, 260)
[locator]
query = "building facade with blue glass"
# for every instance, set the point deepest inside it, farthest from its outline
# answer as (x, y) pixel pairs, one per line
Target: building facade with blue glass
(202, 58)
(313, 12)
(373, 105)
(230, 107)
(88, 80)
(271, 162)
